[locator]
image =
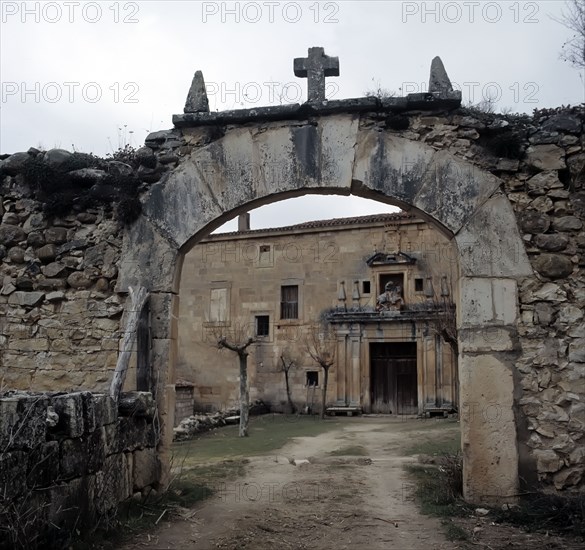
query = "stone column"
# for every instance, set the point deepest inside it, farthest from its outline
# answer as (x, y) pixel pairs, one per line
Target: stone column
(486, 364)
(342, 367)
(354, 399)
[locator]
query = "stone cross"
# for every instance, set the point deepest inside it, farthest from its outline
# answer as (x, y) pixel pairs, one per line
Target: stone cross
(315, 68)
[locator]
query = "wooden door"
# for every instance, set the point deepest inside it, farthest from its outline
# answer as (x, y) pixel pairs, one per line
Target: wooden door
(393, 378)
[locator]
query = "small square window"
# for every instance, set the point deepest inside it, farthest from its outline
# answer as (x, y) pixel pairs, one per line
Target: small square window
(262, 325)
(312, 378)
(366, 287)
(264, 248)
(418, 285)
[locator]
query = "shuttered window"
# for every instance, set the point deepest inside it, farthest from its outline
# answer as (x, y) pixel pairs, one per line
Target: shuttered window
(289, 302)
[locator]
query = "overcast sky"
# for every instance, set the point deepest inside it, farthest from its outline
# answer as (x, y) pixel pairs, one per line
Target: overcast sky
(93, 76)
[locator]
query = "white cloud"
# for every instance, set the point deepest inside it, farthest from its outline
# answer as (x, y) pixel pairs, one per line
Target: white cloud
(153, 60)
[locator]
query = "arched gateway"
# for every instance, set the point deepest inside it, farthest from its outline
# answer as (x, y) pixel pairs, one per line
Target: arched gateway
(238, 160)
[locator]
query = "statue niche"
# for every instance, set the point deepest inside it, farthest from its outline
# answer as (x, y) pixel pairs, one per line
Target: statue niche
(391, 299)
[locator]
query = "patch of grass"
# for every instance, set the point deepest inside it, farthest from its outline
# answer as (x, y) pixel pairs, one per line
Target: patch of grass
(439, 491)
(419, 424)
(564, 515)
(187, 488)
(433, 494)
(266, 433)
(453, 531)
(352, 450)
(451, 444)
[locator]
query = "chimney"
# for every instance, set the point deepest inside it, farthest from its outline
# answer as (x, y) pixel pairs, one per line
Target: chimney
(244, 222)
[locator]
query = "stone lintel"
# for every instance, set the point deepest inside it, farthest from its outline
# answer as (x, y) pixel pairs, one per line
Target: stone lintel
(420, 101)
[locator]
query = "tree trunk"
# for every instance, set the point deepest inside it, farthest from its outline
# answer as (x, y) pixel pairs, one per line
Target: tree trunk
(137, 300)
(244, 395)
(293, 409)
(324, 391)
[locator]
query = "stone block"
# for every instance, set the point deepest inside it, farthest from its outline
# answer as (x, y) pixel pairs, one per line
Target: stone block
(89, 420)
(140, 404)
(545, 157)
(26, 299)
(106, 410)
(146, 469)
(547, 461)
(164, 310)
(47, 253)
(12, 473)
(553, 266)
(505, 297)
(486, 339)
(132, 433)
(73, 459)
(490, 243)
(488, 300)
(488, 428)
(70, 410)
(43, 465)
(22, 422)
(72, 505)
(29, 344)
(577, 350)
(476, 301)
(56, 235)
(11, 235)
(112, 483)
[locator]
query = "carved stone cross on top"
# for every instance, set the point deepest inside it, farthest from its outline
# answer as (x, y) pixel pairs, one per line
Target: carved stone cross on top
(315, 68)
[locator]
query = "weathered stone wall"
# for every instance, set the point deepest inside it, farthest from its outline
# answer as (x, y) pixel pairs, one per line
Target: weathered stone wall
(539, 160)
(59, 315)
(67, 460)
(546, 186)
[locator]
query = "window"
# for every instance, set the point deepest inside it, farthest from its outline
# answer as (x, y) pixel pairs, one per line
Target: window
(265, 255)
(218, 311)
(418, 285)
(289, 302)
(312, 378)
(366, 287)
(262, 325)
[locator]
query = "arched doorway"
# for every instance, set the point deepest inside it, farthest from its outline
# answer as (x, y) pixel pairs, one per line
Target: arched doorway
(256, 164)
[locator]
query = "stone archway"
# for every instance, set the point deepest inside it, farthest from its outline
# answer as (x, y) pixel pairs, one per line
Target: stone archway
(259, 163)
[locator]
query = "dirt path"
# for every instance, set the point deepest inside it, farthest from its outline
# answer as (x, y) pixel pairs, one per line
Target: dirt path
(352, 493)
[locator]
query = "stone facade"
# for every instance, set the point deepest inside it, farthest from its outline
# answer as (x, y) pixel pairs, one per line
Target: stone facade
(234, 282)
(68, 459)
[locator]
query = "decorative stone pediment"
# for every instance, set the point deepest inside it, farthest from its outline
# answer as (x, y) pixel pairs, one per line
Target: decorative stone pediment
(384, 258)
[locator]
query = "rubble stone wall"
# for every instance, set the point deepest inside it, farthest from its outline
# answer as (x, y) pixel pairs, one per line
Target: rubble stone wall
(68, 459)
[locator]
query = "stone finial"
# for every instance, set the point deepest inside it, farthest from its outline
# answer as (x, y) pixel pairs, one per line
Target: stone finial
(341, 292)
(439, 81)
(429, 289)
(315, 68)
(444, 287)
(355, 296)
(197, 97)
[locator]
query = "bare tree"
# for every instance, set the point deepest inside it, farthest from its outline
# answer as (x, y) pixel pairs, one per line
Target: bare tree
(286, 365)
(321, 346)
(239, 342)
(573, 18)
